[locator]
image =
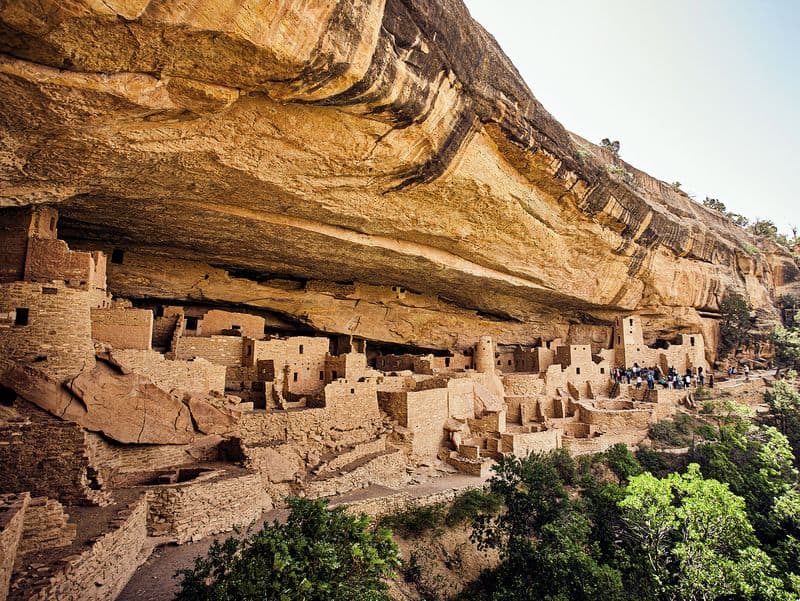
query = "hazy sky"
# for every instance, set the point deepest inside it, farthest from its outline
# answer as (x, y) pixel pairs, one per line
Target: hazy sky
(705, 92)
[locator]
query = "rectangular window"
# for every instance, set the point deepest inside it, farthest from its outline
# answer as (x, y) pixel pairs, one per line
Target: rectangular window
(294, 377)
(602, 370)
(21, 318)
(447, 361)
(191, 323)
(47, 290)
(631, 322)
(117, 255)
(301, 349)
(691, 340)
(509, 361)
(322, 375)
(578, 370)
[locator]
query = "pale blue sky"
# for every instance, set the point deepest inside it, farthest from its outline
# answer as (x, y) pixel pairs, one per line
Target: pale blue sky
(705, 92)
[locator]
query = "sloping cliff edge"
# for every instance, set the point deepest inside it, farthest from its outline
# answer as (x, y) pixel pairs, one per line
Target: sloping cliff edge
(373, 168)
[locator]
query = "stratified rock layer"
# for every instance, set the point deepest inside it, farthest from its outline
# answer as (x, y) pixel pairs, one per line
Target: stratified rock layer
(384, 143)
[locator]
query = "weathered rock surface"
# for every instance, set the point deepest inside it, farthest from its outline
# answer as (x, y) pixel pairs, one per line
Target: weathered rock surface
(126, 407)
(387, 143)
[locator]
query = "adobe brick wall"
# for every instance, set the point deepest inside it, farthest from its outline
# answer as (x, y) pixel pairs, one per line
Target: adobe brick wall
(523, 384)
(222, 350)
(349, 404)
(49, 260)
(59, 327)
(58, 450)
(123, 328)
(97, 574)
(195, 509)
(46, 526)
(198, 376)
(215, 322)
(12, 516)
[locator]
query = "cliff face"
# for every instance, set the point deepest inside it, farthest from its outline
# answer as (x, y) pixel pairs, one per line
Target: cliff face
(387, 146)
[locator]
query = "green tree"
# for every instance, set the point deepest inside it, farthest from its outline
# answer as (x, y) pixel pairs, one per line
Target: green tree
(736, 323)
(694, 541)
(609, 145)
(715, 204)
(764, 228)
(787, 345)
(739, 220)
(319, 554)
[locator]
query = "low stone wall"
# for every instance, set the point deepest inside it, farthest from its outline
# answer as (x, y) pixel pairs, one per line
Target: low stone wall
(12, 515)
(523, 443)
(97, 574)
(207, 505)
(386, 469)
(115, 460)
(45, 527)
(198, 376)
(58, 450)
(614, 420)
(377, 507)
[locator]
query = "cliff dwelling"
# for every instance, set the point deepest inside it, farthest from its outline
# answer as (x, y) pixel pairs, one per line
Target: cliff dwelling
(231, 274)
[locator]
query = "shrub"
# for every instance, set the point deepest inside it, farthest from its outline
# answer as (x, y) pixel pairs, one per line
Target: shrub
(469, 504)
(622, 462)
(666, 431)
(416, 520)
(319, 554)
(652, 461)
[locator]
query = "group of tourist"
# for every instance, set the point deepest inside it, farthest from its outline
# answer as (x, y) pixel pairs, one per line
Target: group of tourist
(652, 376)
(734, 371)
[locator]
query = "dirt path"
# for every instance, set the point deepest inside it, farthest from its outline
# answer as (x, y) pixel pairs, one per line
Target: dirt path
(154, 580)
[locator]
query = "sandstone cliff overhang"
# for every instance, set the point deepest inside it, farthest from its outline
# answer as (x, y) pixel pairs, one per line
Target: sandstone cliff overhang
(391, 143)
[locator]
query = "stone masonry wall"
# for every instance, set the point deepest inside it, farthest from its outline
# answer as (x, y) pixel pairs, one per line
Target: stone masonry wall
(198, 376)
(97, 574)
(46, 527)
(49, 459)
(200, 508)
(12, 515)
(58, 328)
(115, 460)
(222, 350)
(123, 328)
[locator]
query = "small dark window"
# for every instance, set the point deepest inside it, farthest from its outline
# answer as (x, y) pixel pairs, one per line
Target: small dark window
(509, 361)
(334, 375)
(619, 338)
(301, 349)
(322, 375)
(578, 370)
(249, 350)
(602, 370)
(21, 318)
(47, 290)
(236, 328)
(631, 322)
(498, 361)
(691, 340)
(294, 377)
(159, 311)
(352, 391)
(447, 361)
(52, 224)
(191, 323)
(116, 256)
